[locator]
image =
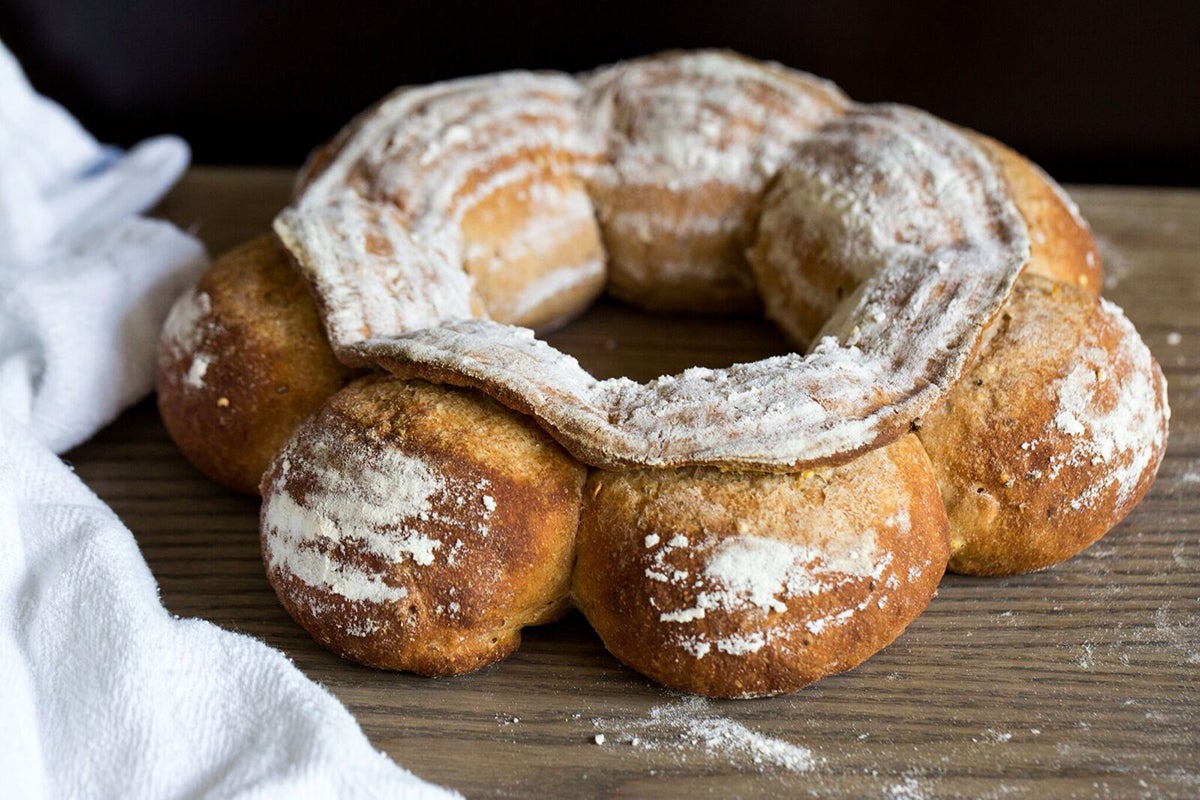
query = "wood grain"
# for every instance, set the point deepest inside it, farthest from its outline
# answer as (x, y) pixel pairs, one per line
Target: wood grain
(1078, 681)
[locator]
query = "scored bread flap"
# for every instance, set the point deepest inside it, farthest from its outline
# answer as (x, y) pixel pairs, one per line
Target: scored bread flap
(910, 208)
(370, 274)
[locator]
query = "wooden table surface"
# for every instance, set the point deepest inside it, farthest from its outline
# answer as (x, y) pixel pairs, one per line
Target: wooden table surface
(1079, 681)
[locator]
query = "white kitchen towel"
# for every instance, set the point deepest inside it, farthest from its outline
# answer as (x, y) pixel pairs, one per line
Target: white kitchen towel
(103, 693)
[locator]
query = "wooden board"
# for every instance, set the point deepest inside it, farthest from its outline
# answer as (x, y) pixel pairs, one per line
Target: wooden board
(1077, 681)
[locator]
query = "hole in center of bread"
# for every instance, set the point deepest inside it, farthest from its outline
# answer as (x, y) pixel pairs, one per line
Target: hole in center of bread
(613, 340)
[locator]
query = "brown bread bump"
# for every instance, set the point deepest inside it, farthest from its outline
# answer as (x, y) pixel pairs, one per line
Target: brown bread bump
(803, 276)
(734, 584)
(418, 527)
(243, 359)
(533, 249)
(1053, 435)
(692, 140)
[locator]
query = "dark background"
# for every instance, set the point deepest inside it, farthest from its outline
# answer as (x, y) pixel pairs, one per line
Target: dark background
(1099, 92)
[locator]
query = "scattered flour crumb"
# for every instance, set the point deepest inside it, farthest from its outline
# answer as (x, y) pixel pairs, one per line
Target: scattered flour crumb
(1086, 659)
(195, 375)
(599, 738)
(909, 789)
(1192, 474)
(1179, 634)
(690, 724)
(1174, 338)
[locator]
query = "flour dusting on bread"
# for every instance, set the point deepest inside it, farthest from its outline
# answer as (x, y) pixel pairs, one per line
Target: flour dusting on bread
(1124, 429)
(187, 326)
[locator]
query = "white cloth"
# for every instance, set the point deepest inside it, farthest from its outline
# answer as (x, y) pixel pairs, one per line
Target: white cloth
(102, 692)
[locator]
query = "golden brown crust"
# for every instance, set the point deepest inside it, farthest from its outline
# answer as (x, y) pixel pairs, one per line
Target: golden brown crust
(1061, 244)
(1053, 435)
(243, 359)
(418, 527)
(741, 585)
(640, 264)
(533, 248)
